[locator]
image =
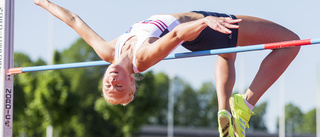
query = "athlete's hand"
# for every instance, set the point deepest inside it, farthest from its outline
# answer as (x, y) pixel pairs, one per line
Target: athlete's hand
(222, 24)
(39, 2)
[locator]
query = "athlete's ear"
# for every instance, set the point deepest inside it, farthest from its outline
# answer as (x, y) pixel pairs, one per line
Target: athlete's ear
(131, 80)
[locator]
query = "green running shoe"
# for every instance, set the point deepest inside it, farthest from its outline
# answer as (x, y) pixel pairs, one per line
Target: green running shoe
(225, 126)
(241, 114)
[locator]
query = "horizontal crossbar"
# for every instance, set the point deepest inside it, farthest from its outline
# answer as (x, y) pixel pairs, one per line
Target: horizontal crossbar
(275, 45)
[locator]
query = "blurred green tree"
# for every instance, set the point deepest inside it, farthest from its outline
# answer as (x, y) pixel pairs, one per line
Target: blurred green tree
(293, 119)
(208, 102)
(309, 123)
(26, 117)
(257, 122)
(186, 106)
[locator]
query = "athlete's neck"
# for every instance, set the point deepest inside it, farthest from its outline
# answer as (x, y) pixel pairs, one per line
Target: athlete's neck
(129, 45)
(125, 61)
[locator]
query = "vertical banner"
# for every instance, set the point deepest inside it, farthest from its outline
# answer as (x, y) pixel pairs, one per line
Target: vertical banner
(6, 62)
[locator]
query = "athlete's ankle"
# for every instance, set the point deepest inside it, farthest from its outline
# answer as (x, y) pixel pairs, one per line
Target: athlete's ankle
(226, 111)
(248, 104)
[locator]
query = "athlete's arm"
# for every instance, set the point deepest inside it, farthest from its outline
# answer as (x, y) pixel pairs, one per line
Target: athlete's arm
(148, 56)
(101, 47)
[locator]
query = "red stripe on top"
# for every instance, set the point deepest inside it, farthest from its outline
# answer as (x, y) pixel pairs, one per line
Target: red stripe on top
(284, 44)
(157, 26)
(162, 23)
(163, 28)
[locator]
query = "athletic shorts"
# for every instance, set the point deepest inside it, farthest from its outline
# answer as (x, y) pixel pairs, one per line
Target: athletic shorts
(211, 39)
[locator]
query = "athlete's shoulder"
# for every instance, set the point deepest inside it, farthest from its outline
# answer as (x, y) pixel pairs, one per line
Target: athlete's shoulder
(107, 50)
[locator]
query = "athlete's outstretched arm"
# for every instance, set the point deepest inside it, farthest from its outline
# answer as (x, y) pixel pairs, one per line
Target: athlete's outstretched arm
(150, 55)
(101, 47)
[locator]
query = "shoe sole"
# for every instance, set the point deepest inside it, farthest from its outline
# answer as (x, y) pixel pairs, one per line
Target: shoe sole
(225, 124)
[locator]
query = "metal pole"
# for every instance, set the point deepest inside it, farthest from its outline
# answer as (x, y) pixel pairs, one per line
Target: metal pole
(242, 75)
(50, 57)
(282, 122)
(50, 39)
(171, 107)
(49, 131)
(317, 99)
(6, 62)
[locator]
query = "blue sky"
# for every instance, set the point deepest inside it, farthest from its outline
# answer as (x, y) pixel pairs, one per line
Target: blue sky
(109, 19)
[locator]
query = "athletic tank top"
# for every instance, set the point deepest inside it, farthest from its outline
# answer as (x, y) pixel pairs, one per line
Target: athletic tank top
(155, 26)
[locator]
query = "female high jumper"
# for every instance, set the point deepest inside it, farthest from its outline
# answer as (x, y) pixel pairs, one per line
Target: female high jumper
(147, 42)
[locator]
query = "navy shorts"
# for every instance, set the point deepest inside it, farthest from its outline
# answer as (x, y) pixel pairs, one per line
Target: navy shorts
(211, 39)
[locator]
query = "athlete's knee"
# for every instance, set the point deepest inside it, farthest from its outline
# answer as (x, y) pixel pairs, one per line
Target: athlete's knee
(290, 53)
(291, 36)
(229, 56)
(294, 50)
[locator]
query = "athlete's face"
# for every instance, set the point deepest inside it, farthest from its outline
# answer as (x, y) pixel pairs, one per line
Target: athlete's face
(118, 84)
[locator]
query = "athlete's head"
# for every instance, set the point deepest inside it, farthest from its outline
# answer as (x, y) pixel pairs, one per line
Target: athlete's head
(118, 85)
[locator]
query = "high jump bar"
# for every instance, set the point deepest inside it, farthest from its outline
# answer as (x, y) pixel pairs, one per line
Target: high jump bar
(275, 45)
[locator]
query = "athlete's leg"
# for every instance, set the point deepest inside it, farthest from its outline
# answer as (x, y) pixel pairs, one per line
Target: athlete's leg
(225, 79)
(257, 31)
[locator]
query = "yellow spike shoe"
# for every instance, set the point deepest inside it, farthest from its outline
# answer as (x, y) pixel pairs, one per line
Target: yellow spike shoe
(225, 126)
(241, 114)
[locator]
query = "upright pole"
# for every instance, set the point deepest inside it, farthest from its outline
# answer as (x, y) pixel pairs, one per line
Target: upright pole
(282, 117)
(242, 75)
(6, 62)
(317, 99)
(172, 85)
(50, 39)
(49, 130)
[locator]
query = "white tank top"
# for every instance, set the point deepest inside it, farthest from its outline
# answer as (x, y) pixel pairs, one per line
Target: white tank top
(155, 26)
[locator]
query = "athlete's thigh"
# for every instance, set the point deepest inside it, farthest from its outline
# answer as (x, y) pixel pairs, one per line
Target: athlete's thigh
(253, 30)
